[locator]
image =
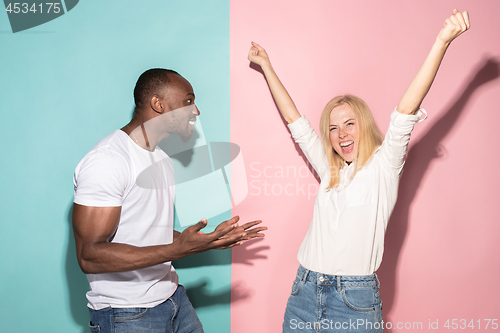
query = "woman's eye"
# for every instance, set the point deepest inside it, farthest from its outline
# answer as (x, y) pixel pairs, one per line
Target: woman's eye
(333, 128)
(350, 124)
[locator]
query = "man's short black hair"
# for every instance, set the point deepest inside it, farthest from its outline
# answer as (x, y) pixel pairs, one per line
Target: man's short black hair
(150, 82)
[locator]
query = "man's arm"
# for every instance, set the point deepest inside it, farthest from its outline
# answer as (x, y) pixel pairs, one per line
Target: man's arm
(95, 227)
(454, 26)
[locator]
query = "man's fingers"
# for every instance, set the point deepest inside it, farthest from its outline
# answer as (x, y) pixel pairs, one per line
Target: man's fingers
(222, 247)
(249, 234)
(200, 225)
(226, 243)
(227, 234)
(232, 220)
(250, 224)
(226, 226)
(226, 240)
(255, 234)
(253, 231)
(234, 237)
(256, 230)
(219, 233)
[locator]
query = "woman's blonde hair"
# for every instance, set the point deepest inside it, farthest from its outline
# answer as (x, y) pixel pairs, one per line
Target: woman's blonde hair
(370, 137)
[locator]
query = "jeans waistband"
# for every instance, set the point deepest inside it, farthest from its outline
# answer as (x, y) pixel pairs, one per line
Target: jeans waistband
(337, 280)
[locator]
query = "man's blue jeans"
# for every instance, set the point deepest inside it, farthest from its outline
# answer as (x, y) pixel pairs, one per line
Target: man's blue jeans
(176, 314)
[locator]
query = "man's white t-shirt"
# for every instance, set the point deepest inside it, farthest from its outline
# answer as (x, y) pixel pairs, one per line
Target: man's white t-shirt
(117, 172)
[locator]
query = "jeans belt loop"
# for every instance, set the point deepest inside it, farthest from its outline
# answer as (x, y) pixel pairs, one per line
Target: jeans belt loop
(304, 278)
(378, 281)
(338, 283)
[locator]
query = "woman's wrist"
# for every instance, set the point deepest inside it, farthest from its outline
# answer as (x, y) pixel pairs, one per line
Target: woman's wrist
(440, 43)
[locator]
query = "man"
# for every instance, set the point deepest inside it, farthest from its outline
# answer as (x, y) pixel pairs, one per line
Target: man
(123, 216)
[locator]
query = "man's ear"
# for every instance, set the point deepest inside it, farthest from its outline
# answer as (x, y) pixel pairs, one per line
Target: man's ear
(157, 104)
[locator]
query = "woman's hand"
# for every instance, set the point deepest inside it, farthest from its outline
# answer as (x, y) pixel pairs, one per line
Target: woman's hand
(258, 55)
(454, 26)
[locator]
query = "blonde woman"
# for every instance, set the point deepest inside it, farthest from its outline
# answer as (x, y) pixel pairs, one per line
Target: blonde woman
(336, 288)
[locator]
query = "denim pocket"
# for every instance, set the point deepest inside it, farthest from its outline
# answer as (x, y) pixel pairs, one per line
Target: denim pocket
(94, 328)
(128, 314)
(360, 298)
(296, 286)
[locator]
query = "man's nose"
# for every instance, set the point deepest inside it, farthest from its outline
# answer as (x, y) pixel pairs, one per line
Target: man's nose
(196, 111)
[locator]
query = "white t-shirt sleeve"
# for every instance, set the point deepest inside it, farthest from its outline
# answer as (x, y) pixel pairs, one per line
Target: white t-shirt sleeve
(101, 179)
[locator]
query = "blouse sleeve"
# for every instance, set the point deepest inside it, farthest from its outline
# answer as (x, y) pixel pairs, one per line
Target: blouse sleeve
(310, 143)
(395, 145)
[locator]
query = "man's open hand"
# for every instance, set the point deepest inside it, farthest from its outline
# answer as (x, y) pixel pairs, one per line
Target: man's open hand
(227, 234)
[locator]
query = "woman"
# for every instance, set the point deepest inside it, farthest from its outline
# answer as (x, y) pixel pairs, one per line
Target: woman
(336, 288)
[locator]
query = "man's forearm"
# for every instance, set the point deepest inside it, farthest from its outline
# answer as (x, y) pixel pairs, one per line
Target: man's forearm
(105, 257)
(116, 257)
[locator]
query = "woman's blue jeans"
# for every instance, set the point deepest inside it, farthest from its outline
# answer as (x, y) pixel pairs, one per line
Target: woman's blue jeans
(176, 314)
(330, 303)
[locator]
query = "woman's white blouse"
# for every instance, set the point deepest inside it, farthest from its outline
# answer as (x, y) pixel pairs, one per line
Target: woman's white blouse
(346, 235)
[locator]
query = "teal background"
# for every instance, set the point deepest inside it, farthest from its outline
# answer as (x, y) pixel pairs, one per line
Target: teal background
(65, 85)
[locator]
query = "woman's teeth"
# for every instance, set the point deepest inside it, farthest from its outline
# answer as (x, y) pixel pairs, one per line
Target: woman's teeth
(347, 143)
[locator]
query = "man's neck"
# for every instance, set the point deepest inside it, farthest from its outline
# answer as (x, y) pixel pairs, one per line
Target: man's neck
(144, 135)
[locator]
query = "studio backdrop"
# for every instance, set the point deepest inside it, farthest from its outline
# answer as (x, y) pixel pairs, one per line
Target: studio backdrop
(67, 80)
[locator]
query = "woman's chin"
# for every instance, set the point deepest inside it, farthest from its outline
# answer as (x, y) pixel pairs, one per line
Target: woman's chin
(348, 158)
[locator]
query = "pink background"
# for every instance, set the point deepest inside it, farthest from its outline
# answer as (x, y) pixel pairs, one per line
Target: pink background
(442, 246)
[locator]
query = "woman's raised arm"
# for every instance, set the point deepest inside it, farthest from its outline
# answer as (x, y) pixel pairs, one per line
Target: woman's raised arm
(285, 103)
(454, 26)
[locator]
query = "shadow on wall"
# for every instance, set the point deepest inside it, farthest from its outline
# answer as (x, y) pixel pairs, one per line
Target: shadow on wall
(420, 157)
(200, 296)
(246, 256)
(200, 293)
